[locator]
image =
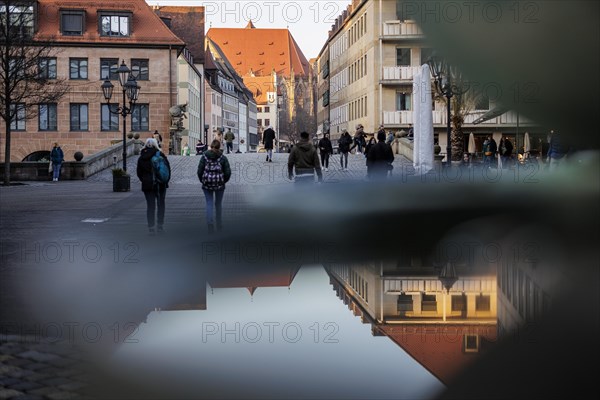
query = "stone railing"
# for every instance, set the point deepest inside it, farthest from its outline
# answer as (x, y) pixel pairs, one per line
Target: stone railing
(72, 170)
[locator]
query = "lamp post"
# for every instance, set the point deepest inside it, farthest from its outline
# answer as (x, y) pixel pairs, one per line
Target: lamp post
(448, 278)
(130, 89)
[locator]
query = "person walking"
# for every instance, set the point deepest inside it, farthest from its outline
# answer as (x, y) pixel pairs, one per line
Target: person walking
(305, 161)
(154, 192)
(200, 147)
(56, 158)
(556, 150)
(326, 149)
(158, 138)
(506, 149)
(344, 143)
(489, 150)
(214, 172)
(359, 139)
(186, 150)
(268, 140)
(379, 158)
(229, 138)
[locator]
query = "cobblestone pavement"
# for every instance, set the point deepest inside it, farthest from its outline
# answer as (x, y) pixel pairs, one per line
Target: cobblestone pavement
(34, 368)
(42, 222)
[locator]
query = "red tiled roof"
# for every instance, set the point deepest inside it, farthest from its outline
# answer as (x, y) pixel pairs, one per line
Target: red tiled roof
(188, 24)
(259, 86)
(146, 27)
(254, 278)
(439, 347)
(261, 50)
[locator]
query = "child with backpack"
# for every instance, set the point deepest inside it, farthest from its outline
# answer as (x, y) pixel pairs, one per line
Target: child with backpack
(214, 172)
(154, 171)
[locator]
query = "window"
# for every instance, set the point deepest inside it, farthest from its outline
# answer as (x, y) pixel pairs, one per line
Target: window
(21, 21)
(18, 121)
(78, 117)
(267, 122)
(78, 68)
(71, 22)
(482, 303)
(403, 101)
(471, 344)
(47, 117)
(459, 303)
(108, 68)
(267, 109)
(140, 69)
(140, 117)
(405, 303)
(259, 122)
(259, 109)
(16, 67)
(429, 303)
(109, 121)
(47, 68)
(114, 24)
(326, 98)
(403, 57)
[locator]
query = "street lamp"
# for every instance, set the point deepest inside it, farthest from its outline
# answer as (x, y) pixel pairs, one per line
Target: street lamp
(130, 89)
(448, 277)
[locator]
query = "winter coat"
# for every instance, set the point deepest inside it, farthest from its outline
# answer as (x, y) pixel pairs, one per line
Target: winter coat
(229, 136)
(56, 155)
(325, 145)
(506, 148)
(344, 143)
(268, 138)
(490, 146)
(557, 149)
(144, 170)
(213, 155)
(379, 159)
(305, 159)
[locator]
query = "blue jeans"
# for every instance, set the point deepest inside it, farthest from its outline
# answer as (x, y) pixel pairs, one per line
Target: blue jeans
(211, 196)
(56, 170)
(153, 198)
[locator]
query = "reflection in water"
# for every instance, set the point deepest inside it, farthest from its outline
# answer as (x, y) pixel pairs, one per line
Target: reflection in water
(289, 338)
(443, 328)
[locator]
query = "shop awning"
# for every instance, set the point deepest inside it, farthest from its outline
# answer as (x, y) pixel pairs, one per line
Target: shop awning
(493, 113)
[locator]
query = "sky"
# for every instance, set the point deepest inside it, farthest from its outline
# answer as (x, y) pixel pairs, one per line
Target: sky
(308, 20)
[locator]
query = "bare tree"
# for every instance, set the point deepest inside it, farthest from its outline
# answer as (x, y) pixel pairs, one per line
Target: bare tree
(27, 70)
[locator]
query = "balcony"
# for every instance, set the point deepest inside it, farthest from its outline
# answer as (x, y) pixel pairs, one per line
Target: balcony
(396, 30)
(392, 118)
(399, 75)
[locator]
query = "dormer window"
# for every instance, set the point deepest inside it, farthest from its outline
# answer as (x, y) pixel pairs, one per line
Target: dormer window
(72, 22)
(114, 23)
(20, 19)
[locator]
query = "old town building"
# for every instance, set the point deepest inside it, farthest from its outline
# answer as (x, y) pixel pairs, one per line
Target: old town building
(89, 43)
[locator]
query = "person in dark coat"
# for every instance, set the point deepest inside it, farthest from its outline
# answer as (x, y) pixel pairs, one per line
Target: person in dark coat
(56, 158)
(344, 143)
(506, 149)
(154, 192)
(326, 150)
(268, 141)
(489, 150)
(379, 158)
(304, 161)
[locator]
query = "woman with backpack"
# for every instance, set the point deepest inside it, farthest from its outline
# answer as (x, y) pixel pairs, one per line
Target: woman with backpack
(214, 172)
(154, 190)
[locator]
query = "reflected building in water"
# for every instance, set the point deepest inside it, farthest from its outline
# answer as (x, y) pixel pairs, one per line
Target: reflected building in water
(442, 317)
